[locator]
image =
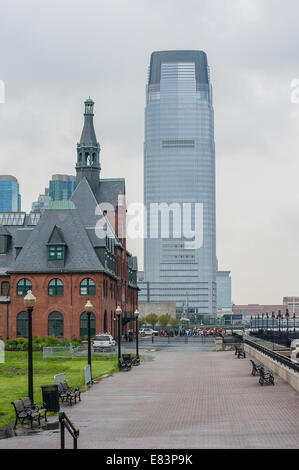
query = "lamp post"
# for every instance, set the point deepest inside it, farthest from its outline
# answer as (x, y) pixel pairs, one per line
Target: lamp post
(254, 322)
(137, 330)
(251, 323)
(267, 321)
(273, 319)
(294, 318)
(287, 318)
(29, 301)
(279, 319)
(118, 312)
(263, 320)
(88, 310)
(258, 323)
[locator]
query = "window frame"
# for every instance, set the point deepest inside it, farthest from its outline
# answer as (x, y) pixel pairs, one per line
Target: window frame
(56, 288)
(89, 286)
(56, 250)
(27, 285)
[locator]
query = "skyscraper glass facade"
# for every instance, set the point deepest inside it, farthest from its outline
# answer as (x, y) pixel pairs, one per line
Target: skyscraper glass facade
(224, 290)
(10, 199)
(62, 187)
(179, 167)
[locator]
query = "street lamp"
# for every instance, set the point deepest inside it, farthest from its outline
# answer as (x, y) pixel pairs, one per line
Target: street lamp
(137, 331)
(88, 310)
(287, 317)
(294, 318)
(258, 322)
(118, 312)
(29, 301)
(251, 323)
(279, 319)
(267, 321)
(273, 319)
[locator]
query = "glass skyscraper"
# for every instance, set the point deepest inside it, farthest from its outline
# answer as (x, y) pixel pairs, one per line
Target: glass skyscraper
(10, 198)
(62, 187)
(179, 167)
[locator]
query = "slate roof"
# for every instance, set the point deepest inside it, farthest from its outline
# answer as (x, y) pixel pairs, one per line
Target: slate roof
(3, 230)
(109, 190)
(88, 136)
(80, 255)
(88, 206)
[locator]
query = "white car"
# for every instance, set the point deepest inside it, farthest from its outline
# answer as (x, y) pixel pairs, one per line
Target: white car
(104, 343)
(147, 332)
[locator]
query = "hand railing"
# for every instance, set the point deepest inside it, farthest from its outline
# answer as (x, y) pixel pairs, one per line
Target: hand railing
(66, 423)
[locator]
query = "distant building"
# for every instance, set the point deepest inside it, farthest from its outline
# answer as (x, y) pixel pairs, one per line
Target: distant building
(10, 198)
(255, 309)
(42, 203)
(159, 308)
(224, 290)
(179, 167)
(62, 187)
(292, 304)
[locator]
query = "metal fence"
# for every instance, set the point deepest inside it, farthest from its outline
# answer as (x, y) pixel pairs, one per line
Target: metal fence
(274, 355)
(72, 352)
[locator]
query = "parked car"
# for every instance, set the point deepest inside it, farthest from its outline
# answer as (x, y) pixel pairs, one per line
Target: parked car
(104, 343)
(148, 332)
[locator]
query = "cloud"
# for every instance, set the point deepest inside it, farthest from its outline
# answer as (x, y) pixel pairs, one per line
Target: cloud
(56, 53)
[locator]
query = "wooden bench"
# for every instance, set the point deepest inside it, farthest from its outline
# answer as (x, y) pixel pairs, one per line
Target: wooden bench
(266, 377)
(256, 368)
(136, 361)
(68, 394)
(25, 414)
(240, 353)
(40, 407)
(125, 362)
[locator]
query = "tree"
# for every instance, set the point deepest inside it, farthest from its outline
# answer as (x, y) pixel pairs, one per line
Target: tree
(152, 319)
(164, 320)
(174, 321)
(142, 321)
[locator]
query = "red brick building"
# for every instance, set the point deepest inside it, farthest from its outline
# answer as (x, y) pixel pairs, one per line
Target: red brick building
(75, 252)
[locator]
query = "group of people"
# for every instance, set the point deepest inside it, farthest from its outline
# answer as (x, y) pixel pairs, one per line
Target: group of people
(202, 331)
(193, 332)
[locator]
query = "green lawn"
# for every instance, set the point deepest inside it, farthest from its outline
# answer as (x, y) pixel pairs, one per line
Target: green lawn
(14, 378)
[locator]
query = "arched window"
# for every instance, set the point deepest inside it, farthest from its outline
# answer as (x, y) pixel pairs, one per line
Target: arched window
(55, 288)
(105, 322)
(87, 287)
(22, 325)
(84, 324)
(24, 285)
(55, 324)
(5, 289)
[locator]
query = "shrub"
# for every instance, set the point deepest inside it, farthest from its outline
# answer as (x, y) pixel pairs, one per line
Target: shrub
(49, 341)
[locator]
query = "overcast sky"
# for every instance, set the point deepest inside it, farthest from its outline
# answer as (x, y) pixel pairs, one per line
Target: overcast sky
(55, 53)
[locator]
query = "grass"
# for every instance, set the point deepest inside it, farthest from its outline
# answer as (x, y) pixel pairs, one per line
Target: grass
(14, 378)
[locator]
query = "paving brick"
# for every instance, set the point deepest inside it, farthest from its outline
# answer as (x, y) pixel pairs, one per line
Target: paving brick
(182, 399)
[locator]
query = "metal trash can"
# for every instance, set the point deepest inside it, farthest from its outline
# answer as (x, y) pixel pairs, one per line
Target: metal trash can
(51, 397)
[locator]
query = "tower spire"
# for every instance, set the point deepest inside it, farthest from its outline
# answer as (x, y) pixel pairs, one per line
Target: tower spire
(88, 150)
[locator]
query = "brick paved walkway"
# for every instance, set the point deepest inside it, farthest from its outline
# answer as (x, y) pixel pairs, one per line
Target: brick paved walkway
(182, 399)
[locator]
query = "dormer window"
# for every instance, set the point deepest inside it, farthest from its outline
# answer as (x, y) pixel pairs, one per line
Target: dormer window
(56, 249)
(56, 253)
